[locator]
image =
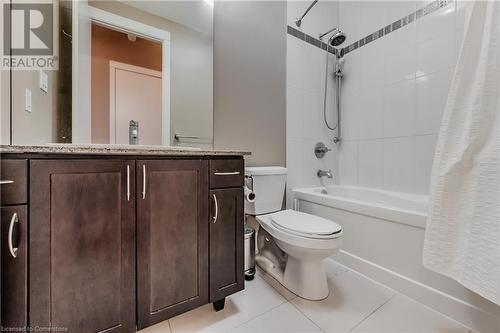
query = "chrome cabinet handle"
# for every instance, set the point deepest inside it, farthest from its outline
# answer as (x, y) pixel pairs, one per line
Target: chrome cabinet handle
(227, 173)
(144, 181)
(128, 182)
(216, 208)
(5, 182)
(179, 137)
(12, 249)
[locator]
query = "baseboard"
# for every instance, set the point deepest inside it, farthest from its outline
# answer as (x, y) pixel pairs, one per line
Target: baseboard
(463, 312)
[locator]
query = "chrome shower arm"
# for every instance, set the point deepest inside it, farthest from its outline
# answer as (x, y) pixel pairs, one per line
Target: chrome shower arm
(298, 21)
(326, 33)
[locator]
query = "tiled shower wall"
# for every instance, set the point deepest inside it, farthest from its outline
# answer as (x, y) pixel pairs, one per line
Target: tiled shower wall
(305, 84)
(394, 92)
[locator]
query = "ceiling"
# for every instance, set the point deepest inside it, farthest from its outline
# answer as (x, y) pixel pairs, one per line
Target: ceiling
(196, 14)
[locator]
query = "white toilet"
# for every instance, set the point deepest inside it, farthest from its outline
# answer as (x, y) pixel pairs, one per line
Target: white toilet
(291, 245)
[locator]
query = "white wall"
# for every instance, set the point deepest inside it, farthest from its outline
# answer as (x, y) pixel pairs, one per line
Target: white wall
(305, 88)
(394, 94)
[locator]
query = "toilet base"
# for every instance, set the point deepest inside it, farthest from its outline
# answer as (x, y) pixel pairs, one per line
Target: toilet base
(304, 278)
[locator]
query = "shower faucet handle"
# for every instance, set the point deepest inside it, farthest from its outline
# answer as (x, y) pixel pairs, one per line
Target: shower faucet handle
(321, 149)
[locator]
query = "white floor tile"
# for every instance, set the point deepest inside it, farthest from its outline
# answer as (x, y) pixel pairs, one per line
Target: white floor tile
(352, 298)
(402, 314)
(257, 298)
(287, 294)
(284, 318)
(162, 327)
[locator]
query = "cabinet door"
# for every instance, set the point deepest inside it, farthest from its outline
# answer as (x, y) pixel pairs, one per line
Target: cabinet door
(172, 238)
(14, 226)
(226, 242)
(82, 244)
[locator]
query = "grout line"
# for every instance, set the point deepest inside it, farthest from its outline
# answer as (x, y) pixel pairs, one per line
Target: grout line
(259, 315)
(290, 301)
(391, 137)
(371, 313)
(312, 321)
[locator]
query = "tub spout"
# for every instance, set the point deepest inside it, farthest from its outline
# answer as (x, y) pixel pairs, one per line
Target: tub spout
(325, 173)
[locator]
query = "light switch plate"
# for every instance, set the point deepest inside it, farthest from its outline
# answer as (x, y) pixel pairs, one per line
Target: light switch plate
(44, 81)
(27, 100)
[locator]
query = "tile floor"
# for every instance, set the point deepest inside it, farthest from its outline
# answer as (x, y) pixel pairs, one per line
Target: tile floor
(357, 304)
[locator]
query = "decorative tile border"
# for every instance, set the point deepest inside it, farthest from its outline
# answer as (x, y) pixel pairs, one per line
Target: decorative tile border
(426, 10)
(311, 40)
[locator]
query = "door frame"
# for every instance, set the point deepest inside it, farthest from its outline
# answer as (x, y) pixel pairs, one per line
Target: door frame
(121, 23)
(113, 66)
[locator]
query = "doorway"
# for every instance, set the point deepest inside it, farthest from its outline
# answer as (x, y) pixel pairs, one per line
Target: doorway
(126, 82)
(135, 95)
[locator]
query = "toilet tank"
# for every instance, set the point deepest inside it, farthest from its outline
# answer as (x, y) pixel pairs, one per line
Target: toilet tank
(269, 188)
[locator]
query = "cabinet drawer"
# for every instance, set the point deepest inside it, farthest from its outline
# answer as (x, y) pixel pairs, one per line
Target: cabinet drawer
(226, 173)
(14, 182)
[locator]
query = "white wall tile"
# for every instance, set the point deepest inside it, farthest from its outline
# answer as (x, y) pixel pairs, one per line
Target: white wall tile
(369, 116)
(294, 116)
(399, 164)
(399, 109)
(314, 68)
(397, 9)
(436, 54)
(370, 163)
(436, 24)
(393, 93)
(425, 147)
(348, 163)
(431, 95)
(400, 54)
(312, 114)
(294, 64)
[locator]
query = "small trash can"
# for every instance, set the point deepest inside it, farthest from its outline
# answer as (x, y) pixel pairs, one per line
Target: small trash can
(249, 253)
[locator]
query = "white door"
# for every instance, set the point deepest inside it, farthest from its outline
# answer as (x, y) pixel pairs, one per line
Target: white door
(135, 94)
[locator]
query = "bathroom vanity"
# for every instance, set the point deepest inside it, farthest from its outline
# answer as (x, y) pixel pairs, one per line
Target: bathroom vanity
(116, 239)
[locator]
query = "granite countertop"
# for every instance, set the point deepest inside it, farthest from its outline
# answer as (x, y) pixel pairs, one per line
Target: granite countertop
(115, 149)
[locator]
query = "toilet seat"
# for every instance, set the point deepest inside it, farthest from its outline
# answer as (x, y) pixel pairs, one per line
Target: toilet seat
(305, 225)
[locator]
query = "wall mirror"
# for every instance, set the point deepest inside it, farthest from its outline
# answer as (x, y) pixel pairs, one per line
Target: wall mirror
(130, 72)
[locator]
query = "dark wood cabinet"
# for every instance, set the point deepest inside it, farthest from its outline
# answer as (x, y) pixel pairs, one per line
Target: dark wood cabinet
(226, 243)
(82, 245)
(14, 233)
(172, 238)
(95, 243)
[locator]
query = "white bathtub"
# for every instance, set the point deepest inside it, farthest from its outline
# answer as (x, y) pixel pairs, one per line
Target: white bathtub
(403, 208)
(383, 234)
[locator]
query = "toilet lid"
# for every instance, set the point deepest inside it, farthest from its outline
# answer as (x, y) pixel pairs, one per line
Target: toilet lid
(303, 224)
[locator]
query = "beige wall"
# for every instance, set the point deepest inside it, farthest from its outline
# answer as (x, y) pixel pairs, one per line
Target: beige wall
(4, 107)
(191, 78)
(39, 126)
(110, 45)
(250, 79)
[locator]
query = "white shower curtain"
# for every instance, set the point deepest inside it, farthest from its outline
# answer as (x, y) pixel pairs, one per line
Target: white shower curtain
(462, 238)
